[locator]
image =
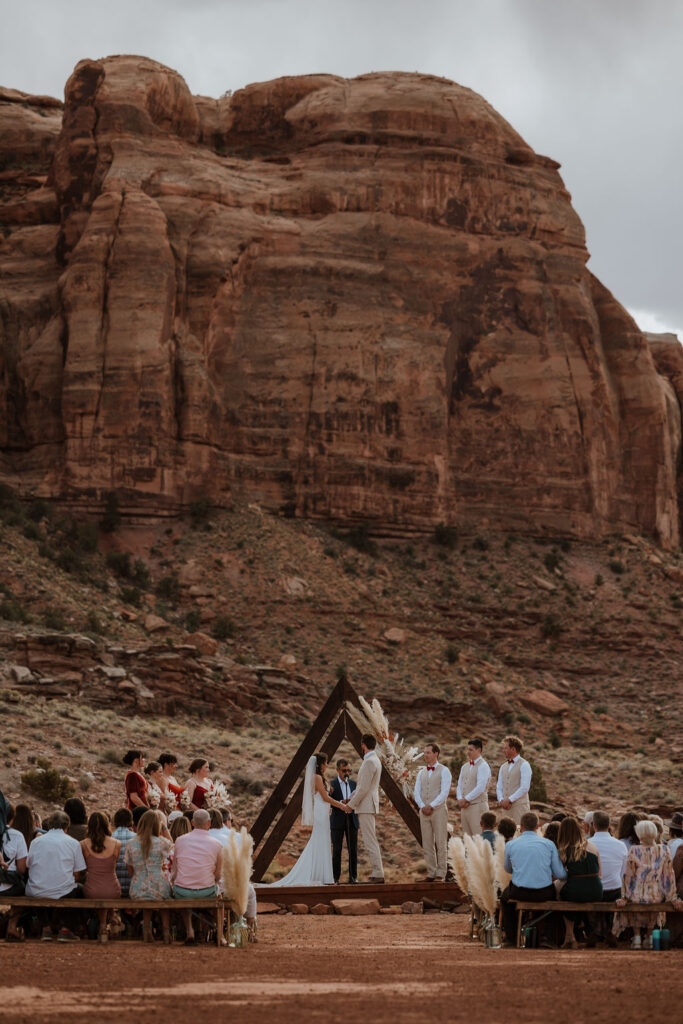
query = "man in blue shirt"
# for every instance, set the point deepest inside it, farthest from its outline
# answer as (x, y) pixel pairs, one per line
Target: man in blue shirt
(533, 862)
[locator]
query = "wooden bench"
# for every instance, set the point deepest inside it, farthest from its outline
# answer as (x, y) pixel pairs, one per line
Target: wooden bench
(561, 906)
(214, 903)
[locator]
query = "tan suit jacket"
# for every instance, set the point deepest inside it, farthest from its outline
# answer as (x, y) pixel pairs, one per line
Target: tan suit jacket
(365, 797)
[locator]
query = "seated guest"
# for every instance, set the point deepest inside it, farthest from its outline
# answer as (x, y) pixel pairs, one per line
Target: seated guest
(533, 862)
(169, 763)
(75, 808)
(552, 831)
(55, 865)
(487, 823)
(613, 856)
(582, 864)
(197, 866)
(675, 833)
(216, 830)
(675, 921)
(13, 854)
(587, 826)
(123, 832)
(558, 816)
(146, 857)
(24, 822)
(101, 852)
(660, 825)
(137, 814)
(507, 828)
(648, 878)
(199, 783)
(180, 826)
(626, 829)
(135, 782)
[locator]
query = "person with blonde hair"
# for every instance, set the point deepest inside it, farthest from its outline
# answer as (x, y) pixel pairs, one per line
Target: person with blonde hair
(180, 826)
(582, 862)
(648, 878)
(146, 856)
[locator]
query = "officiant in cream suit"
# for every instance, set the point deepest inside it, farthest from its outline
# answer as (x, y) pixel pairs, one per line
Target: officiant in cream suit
(365, 802)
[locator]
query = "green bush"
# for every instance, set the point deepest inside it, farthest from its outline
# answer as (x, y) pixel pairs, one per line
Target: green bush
(242, 783)
(193, 620)
(47, 782)
(200, 511)
(359, 538)
(480, 544)
(451, 653)
(445, 536)
(617, 567)
(119, 563)
(93, 623)
(54, 619)
(168, 589)
(552, 560)
(111, 519)
(140, 574)
(555, 740)
(11, 610)
(223, 628)
(551, 627)
(131, 595)
(537, 790)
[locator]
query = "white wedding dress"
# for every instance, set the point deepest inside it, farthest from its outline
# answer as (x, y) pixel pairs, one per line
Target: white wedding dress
(314, 866)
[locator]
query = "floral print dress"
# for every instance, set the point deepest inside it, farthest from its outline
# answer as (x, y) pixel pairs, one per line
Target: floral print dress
(150, 880)
(648, 878)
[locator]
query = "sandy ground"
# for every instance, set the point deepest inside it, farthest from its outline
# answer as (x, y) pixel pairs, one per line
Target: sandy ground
(347, 969)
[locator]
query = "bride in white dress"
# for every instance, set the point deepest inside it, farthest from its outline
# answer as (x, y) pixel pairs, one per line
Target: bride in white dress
(314, 866)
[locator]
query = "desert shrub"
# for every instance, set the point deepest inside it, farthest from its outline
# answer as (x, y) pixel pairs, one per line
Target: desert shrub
(11, 610)
(552, 560)
(555, 740)
(537, 790)
(551, 627)
(38, 509)
(243, 783)
(119, 563)
(168, 588)
(359, 538)
(193, 620)
(54, 619)
(111, 519)
(111, 756)
(69, 561)
(140, 574)
(445, 536)
(47, 782)
(480, 544)
(32, 531)
(200, 511)
(223, 628)
(131, 595)
(93, 623)
(617, 567)
(451, 654)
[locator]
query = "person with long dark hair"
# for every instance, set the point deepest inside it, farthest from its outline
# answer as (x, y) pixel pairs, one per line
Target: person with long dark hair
(101, 852)
(136, 783)
(78, 816)
(582, 862)
(199, 783)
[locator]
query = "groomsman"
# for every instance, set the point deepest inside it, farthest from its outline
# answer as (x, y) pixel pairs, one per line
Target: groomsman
(514, 780)
(472, 788)
(432, 786)
(343, 826)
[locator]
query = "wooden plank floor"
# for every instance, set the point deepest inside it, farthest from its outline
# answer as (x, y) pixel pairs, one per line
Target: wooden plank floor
(391, 893)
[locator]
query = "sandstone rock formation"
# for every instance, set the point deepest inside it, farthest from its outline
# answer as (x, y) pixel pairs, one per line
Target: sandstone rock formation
(356, 299)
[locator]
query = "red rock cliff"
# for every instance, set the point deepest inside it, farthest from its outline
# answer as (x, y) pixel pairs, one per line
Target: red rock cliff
(359, 298)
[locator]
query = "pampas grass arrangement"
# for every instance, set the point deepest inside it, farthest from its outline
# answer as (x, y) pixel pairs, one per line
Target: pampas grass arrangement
(482, 891)
(501, 876)
(458, 860)
(237, 868)
(398, 759)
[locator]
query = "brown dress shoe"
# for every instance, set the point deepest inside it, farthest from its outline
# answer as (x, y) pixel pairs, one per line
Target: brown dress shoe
(376, 881)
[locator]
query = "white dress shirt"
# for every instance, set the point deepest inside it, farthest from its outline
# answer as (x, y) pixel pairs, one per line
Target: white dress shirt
(53, 859)
(674, 845)
(446, 780)
(345, 787)
(613, 857)
(525, 779)
(483, 776)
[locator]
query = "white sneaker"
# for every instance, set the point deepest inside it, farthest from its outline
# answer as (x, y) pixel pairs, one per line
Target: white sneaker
(635, 942)
(647, 942)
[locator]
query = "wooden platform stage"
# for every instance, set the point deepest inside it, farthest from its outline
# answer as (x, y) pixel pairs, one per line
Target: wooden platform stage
(389, 894)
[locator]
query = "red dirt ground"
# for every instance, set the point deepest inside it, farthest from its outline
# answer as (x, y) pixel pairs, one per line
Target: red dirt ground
(368, 969)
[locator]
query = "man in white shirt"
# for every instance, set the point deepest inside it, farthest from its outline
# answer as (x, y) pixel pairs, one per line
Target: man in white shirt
(432, 786)
(613, 856)
(514, 780)
(472, 788)
(55, 866)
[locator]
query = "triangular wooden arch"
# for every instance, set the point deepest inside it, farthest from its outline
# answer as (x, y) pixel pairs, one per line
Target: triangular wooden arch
(344, 728)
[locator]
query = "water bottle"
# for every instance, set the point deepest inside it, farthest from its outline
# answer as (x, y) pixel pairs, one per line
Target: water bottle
(664, 938)
(655, 938)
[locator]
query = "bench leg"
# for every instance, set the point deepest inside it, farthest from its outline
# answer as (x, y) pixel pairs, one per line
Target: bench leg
(519, 928)
(220, 918)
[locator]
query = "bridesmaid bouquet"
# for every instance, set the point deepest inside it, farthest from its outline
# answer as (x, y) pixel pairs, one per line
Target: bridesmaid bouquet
(398, 759)
(217, 797)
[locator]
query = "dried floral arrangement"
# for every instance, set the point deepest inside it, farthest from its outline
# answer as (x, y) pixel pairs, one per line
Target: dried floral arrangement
(398, 759)
(217, 796)
(237, 868)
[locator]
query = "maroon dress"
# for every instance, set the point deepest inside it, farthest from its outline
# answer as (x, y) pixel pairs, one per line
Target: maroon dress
(136, 783)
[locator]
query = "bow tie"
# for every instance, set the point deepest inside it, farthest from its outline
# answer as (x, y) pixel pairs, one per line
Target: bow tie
(431, 767)
(472, 763)
(511, 760)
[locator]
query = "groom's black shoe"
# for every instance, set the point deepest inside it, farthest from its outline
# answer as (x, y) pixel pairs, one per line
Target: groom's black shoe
(353, 881)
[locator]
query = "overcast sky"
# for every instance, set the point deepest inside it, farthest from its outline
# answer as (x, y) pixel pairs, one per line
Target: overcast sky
(596, 84)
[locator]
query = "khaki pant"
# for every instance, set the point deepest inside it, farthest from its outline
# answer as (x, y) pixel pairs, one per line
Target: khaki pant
(434, 830)
(518, 808)
(366, 824)
(470, 817)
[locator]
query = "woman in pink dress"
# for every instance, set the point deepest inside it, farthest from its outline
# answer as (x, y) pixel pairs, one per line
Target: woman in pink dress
(101, 852)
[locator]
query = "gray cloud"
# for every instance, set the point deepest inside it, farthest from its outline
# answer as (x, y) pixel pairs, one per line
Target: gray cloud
(596, 85)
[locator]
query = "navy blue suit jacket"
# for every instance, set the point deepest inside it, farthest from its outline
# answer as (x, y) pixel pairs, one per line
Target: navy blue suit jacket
(338, 819)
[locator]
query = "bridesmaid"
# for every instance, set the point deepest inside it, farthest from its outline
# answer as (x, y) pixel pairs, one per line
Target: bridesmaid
(169, 763)
(199, 783)
(136, 783)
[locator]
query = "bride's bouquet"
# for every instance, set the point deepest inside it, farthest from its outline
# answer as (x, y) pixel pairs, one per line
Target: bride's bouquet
(398, 759)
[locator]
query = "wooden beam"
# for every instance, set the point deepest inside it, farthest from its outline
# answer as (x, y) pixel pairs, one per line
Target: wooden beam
(277, 799)
(291, 812)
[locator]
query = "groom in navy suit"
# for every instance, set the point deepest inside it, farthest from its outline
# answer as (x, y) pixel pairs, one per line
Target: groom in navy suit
(343, 825)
